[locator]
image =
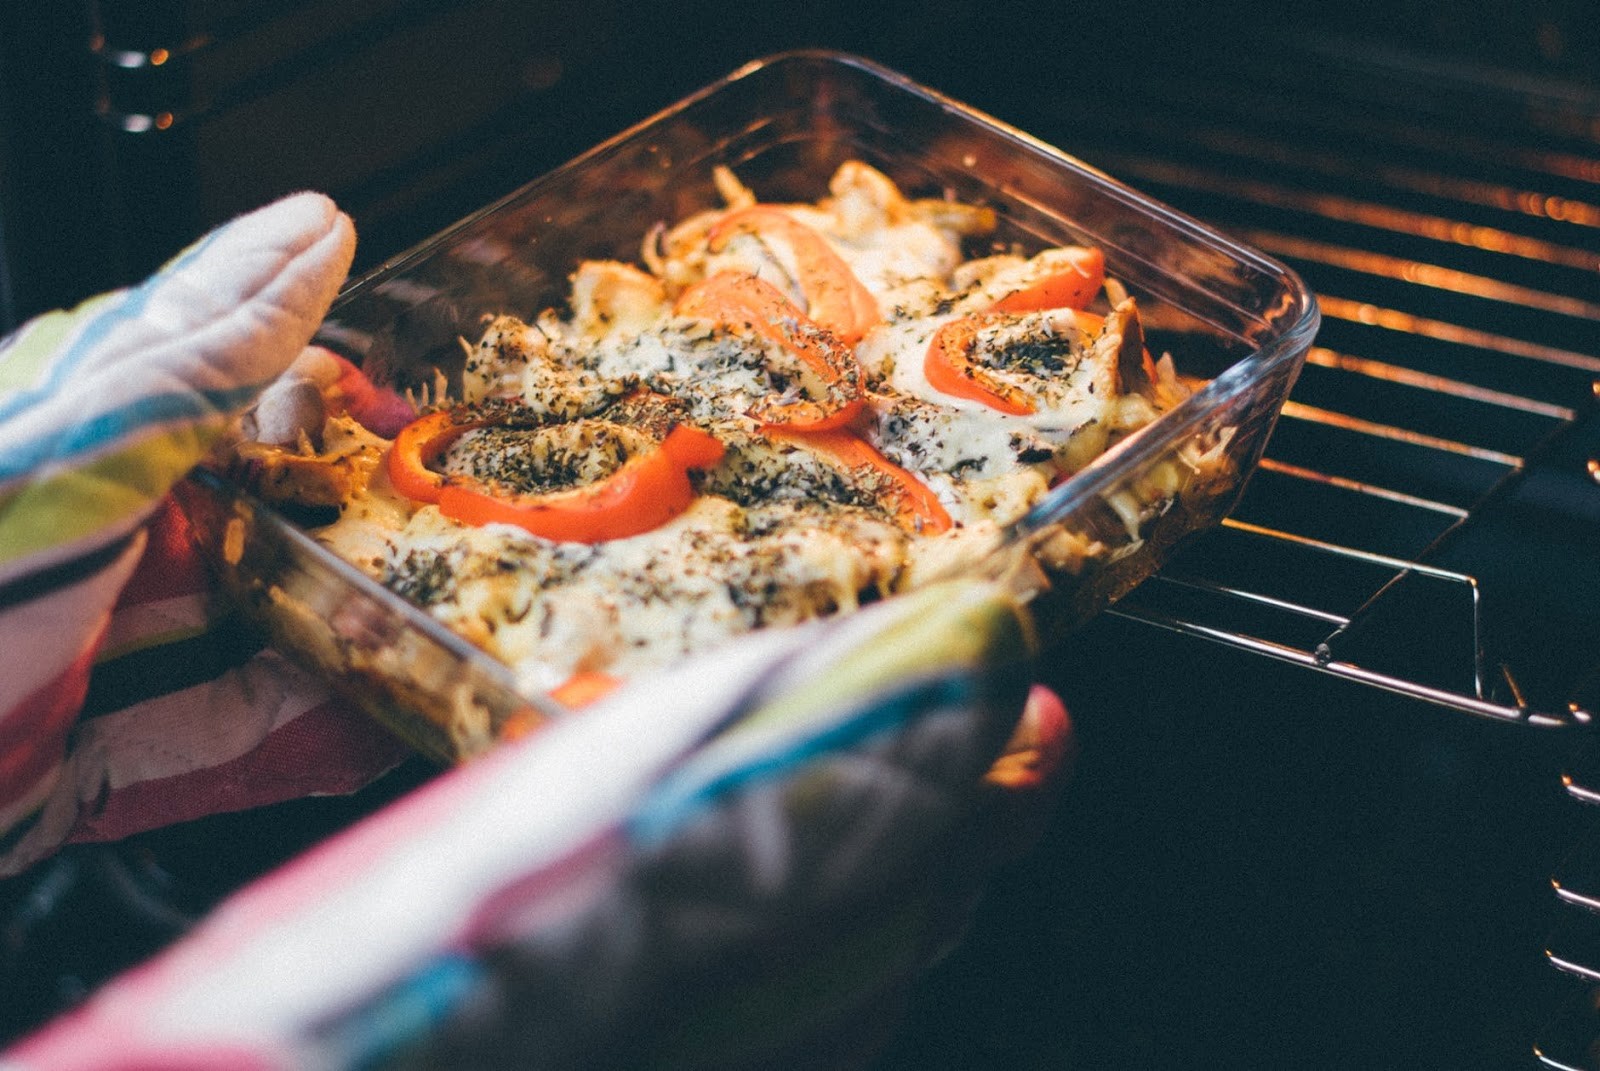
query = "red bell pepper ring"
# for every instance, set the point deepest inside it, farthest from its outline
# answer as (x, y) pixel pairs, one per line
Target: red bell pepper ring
(1073, 286)
(948, 364)
(950, 370)
(835, 297)
(734, 299)
(911, 502)
(418, 447)
(647, 491)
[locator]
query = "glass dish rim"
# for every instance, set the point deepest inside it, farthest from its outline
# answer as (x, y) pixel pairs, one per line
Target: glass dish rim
(1294, 318)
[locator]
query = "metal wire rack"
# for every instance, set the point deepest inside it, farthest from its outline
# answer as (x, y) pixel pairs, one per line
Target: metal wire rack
(1427, 519)
(1459, 279)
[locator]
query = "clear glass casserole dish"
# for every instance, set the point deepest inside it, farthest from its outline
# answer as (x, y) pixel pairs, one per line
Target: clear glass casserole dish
(1235, 322)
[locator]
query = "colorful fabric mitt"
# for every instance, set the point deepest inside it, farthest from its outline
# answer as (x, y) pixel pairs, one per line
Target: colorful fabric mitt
(735, 863)
(101, 409)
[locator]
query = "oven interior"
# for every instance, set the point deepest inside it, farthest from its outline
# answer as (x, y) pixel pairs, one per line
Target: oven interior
(1333, 804)
(1351, 827)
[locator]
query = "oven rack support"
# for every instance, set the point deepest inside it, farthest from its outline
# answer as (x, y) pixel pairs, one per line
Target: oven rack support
(1486, 687)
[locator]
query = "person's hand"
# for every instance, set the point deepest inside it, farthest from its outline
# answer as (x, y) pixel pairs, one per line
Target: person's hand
(1024, 782)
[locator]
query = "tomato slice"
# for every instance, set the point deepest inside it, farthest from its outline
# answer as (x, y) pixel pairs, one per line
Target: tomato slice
(835, 298)
(1072, 285)
(647, 491)
(914, 505)
(734, 299)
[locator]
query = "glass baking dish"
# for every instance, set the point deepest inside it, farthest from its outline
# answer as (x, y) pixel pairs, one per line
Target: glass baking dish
(1232, 319)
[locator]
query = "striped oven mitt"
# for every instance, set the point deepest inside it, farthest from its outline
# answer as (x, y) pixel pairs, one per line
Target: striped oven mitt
(742, 862)
(125, 700)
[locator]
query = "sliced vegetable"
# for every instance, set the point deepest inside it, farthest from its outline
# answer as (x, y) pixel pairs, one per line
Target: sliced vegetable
(912, 503)
(1072, 278)
(648, 490)
(521, 723)
(738, 300)
(418, 447)
(949, 368)
(580, 690)
(1089, 323)
(380, 410)
(835, 298)
(584, 688)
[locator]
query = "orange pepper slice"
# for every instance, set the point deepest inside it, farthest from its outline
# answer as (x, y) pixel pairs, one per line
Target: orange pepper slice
(585, 688)
(521, 723)
(647, 491)
(1072, 287)
(948, 364)
(835, 297)
(913, 504)
(580, 690)
(734, 299)
(418, 447)
(949, 369)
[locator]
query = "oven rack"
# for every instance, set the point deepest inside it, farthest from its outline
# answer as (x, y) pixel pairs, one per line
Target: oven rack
(1445, 403)
(1427, 517)
(1463, 677)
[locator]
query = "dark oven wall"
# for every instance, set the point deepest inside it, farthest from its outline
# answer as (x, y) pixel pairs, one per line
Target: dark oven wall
(131, 127)
(128, 127)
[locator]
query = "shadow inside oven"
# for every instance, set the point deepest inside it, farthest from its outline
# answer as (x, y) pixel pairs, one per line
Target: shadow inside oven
(1257, 865)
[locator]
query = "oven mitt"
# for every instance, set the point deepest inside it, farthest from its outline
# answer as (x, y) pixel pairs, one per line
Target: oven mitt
(102, 408)
(740, 862)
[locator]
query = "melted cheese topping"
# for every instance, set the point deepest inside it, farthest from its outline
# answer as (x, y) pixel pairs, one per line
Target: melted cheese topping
(778, 533)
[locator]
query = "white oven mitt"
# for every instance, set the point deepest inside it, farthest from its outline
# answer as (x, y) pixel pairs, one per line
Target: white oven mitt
(102, 408)
(742, 862)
